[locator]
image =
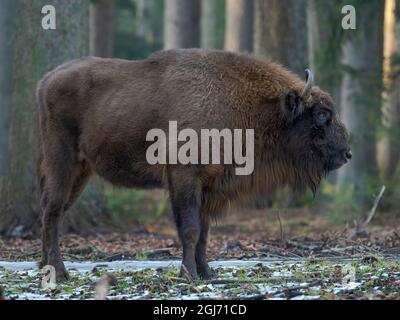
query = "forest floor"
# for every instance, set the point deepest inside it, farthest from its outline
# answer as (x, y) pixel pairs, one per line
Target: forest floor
(291, 255)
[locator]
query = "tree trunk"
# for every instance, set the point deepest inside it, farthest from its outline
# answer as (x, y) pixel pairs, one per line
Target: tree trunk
(389, 145)
(323, 17)
(239, 25)
(36, 51)
(324, 40)
(143, 17)
(281, 32)
(7, 12)
(181, 24)
(361, 95)
(314, 30)
(211, 18)
(102, 28)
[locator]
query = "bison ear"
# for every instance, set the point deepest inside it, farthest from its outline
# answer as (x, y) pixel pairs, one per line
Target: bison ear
(291, 106)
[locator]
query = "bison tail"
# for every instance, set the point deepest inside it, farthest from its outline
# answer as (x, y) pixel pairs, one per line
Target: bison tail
(40, 126)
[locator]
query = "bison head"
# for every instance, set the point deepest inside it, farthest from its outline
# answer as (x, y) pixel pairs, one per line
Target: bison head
(314, 138)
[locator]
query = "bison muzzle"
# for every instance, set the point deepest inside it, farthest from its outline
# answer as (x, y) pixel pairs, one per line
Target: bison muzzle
(94, 115)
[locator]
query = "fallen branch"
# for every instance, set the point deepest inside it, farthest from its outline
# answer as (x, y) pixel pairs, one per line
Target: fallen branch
(285, 291)
(302, 246)
(237, 281)
(114, 257)
(221, 281)
(374, 207)
(153, 252)
(361, 226)
(188, 277)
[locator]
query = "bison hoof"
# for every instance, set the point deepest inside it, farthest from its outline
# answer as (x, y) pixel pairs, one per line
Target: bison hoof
(42, 263)
(206, 273)
(61, 272)
(62, 275)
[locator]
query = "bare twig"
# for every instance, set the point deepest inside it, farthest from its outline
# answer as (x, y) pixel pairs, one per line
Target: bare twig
(280, 228)
(363, 246)
(186, 274)
(360, 226)
(374, 207)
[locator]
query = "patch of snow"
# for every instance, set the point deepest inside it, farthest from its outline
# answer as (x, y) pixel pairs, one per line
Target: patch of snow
(347, 287)
(304, 297)
(127, 265)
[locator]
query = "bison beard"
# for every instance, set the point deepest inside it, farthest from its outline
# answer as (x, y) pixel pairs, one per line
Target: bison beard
(94, 115)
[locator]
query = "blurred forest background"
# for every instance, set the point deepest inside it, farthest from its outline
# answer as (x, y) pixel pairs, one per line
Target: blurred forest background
(360, 68)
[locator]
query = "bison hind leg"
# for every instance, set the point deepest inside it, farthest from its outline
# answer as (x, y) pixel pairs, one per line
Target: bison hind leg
(64, 179)
(82, 175)
(53, 214)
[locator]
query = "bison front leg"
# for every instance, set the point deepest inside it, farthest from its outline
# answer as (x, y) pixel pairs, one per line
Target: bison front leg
(203, 268)
(185, 196)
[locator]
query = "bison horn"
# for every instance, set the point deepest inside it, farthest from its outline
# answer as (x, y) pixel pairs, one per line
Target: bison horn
(309, 84)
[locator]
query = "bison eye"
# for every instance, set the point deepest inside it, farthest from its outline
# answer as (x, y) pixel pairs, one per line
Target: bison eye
(322, 117)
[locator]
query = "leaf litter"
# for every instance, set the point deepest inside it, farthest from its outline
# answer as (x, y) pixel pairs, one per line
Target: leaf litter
(325, 263)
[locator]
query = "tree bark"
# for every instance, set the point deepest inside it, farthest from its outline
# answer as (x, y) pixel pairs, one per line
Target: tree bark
(210, 21)
(143, 8)
(36, 51)
(102, 28)
(323, 17)
(324, 40)
(361, 93)
(7, 14)
(181, 24)
(389, 145)
(239, 25)
(281, 32)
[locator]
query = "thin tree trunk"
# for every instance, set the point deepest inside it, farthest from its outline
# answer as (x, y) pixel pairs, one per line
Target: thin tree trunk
(361, 94)
(102, 28)
(142, 15)
(323, 38)
(281, 32)
(239, 25)
(7, 14)
(313, 29)
(209, 23)
(181, 24)
(323, 17)
(389, 145)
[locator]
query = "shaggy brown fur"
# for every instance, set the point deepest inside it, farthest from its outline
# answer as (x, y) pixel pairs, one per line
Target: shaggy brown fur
(94, 115)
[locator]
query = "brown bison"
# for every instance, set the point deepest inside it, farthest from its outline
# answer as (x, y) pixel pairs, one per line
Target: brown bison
(94, 115)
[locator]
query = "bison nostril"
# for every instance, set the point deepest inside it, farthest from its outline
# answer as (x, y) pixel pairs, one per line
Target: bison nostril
(348, 155)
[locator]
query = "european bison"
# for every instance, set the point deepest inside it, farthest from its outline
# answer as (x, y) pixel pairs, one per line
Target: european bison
(94, 115)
